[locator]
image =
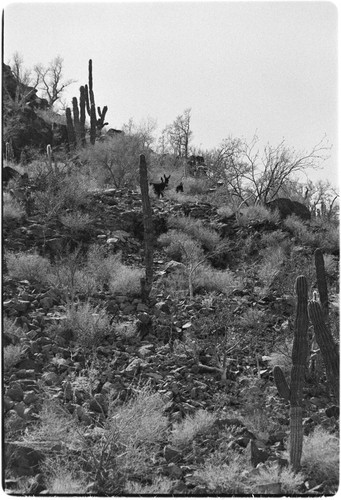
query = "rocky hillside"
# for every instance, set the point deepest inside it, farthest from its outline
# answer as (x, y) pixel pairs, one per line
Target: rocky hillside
(67, 376)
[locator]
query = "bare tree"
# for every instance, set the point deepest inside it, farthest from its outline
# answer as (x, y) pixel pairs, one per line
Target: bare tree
(51, 80)
(249, 174)
(144, 131)
(179, 134)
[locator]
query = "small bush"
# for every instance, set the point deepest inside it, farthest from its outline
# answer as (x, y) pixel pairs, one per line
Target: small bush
(11, 356)
(222, 473)
(161, 485)
(89, 325)
(195, 228)
(256, 213)
(268, 270)
(195, 187)
(30, 267)
(76, 221)
(300, 230)
(11, 331)
(126, 281)
(320, 455)
(211, 280)
(185, 431)
(11, 208)
(225, 211)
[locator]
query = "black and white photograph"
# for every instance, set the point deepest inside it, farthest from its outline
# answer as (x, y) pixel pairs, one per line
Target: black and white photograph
(170, 249)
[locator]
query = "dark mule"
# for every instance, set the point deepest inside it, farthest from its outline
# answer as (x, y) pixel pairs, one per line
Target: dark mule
(159, 187)
(180, 188)
(9, 173)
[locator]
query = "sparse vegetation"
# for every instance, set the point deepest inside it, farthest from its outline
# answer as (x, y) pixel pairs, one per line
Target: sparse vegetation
(120, 394)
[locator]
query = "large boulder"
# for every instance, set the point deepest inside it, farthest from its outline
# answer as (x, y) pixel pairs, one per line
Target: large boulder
(288, 207)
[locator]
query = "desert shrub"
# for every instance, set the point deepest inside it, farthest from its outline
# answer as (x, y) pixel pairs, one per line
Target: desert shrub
(102, 266)
(55, 425)
(195, 187)
(272, 473)
(11, 331)
(300, 230)
(225, 211)
(275, 239)
(268, 270)
(179, 246)
(62, 191)
(161, 485)
(11, 356)
(113, 161)
(320, 455)
(126, 280)
(210, 280)
(86, 324)
(26, 266)
(76, 221)
(256, 213)
(11, 208)
(72, 281)
(221, 473)
(139, 425)
(185, 431)
(63, 476)
(251, 318)
(195, 228)
(126, 329)
(282, 356)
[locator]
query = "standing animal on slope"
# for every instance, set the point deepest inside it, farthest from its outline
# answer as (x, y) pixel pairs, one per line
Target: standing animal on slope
(9, 173)
(159, 187)
(179, 188)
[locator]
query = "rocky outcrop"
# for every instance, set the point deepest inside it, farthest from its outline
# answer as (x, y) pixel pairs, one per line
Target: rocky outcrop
(288, 207)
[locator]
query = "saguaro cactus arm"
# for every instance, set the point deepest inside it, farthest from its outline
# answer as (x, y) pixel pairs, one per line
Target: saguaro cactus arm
(322, 283)
(327, 345)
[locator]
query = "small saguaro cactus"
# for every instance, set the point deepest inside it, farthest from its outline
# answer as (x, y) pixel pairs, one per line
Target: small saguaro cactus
(294, 393)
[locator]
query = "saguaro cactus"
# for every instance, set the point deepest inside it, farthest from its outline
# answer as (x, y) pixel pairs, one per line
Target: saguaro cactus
(70, 128)
(329, 349)
(82, 100)
(299, 355)
(146, 283)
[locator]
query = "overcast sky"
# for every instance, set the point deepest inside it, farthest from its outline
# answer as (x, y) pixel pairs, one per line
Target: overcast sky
(242, 67)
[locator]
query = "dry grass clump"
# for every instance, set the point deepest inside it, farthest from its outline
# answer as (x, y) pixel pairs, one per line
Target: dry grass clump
(213, 280)
(225, 211)
(185, 431)
(61, 479)
(320, 455)
(11, 330)
(256, 213)
(11, 208)
(11, 356)
(160, 485)
(26, 266)
(76, 221)
(88, 324)
(272, 260)
(223, 473)
(195, 228)
(138, 426)
(195, 187)
(126, 281)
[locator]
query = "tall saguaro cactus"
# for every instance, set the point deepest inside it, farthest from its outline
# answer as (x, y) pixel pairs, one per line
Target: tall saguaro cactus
(294, 393)
(146, 283)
